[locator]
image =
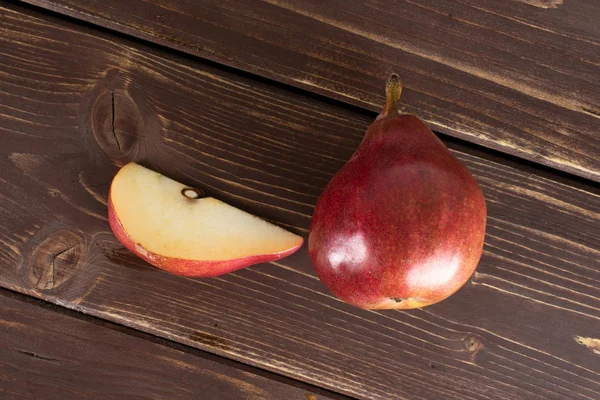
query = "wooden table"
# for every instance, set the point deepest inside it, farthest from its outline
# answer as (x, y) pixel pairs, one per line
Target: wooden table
(260, 103)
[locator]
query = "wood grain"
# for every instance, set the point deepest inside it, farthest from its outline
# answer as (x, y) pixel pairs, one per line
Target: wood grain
(50, 353)
(518, 76)
(76, 102)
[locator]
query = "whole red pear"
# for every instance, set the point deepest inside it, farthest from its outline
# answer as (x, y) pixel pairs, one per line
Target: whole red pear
(402, 224)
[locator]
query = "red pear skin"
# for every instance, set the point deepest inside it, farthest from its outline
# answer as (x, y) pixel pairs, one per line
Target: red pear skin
(402, 224)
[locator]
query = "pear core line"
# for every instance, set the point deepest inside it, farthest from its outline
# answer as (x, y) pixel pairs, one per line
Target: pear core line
(393, 90)
(192, 193)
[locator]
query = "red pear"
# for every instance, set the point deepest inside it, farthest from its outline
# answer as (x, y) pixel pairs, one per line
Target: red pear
(402, 224)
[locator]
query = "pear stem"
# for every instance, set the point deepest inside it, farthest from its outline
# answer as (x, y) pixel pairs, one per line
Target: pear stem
(393, 90)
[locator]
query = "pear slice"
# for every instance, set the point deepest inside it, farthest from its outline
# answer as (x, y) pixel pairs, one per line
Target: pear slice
(173, 227)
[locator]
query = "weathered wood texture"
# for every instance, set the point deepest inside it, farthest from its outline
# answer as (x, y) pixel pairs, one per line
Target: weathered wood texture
(51, 353)
(520, 76)
(76, 102)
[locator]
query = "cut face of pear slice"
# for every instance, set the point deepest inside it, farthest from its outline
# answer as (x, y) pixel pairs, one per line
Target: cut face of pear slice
(166, 220)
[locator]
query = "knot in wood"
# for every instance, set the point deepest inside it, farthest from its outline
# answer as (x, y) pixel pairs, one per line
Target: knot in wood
(117, 123)
(472, 344)
(56, 259)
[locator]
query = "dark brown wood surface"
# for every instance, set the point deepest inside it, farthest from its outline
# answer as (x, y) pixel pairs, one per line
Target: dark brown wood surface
(520, 76)
(76, 102)
(50, 353)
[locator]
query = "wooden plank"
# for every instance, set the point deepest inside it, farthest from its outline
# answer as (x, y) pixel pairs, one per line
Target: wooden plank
(51, 353)
(518, 76)
(522, 328)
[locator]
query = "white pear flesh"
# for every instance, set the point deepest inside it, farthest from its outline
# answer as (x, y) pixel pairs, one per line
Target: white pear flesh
(159, 221)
